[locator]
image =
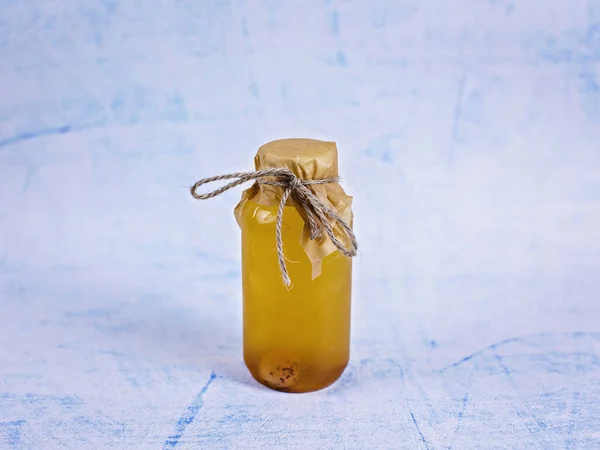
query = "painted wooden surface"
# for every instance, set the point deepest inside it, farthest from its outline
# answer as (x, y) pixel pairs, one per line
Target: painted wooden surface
(469, 134)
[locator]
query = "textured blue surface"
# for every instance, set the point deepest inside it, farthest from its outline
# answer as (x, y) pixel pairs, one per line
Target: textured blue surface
(469, 134)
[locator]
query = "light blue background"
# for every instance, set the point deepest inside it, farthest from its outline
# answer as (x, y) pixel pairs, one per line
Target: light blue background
(469, 135)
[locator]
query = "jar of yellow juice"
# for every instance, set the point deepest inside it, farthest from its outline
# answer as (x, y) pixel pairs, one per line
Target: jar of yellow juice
(297, 246)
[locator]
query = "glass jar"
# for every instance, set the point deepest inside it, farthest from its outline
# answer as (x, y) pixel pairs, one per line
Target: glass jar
(297, 337)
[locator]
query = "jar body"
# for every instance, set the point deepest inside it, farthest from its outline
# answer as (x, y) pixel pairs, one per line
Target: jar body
(296, 339)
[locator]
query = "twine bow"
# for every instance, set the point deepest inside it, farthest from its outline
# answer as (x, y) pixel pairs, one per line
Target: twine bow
(319, 216)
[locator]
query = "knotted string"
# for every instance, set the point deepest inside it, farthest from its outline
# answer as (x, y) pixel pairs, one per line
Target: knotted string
(319, 216)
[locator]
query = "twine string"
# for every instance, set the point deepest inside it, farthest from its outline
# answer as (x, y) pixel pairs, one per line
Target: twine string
(319, 216)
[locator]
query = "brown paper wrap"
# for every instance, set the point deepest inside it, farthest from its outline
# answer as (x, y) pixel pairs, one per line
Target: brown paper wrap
(308, 159)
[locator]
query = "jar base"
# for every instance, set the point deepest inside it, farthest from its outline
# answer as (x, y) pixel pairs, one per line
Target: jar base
(286, 372)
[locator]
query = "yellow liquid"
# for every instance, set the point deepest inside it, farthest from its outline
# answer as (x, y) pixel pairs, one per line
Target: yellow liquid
(295, 339)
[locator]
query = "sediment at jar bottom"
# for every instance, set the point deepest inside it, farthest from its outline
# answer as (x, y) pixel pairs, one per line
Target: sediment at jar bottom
(288, 371)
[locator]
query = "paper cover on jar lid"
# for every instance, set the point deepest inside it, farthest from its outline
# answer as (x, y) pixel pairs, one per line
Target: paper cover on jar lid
(309, 159)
